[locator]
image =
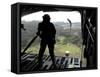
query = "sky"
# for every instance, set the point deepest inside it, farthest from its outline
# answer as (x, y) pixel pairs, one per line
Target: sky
(60, 16)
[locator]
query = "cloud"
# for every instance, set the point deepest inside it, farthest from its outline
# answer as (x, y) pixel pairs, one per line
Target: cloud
(74, 16)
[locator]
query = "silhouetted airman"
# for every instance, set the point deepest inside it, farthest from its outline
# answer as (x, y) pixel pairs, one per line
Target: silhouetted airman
(47, 32)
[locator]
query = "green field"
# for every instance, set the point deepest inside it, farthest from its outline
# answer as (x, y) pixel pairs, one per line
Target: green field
(62, 44)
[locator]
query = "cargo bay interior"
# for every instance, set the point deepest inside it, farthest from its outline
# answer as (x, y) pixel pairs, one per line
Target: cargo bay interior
(86, 58)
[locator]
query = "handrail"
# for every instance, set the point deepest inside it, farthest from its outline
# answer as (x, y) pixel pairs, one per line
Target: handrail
(29, 44)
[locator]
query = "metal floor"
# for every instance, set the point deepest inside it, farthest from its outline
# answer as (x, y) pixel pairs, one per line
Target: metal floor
(29, 62)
